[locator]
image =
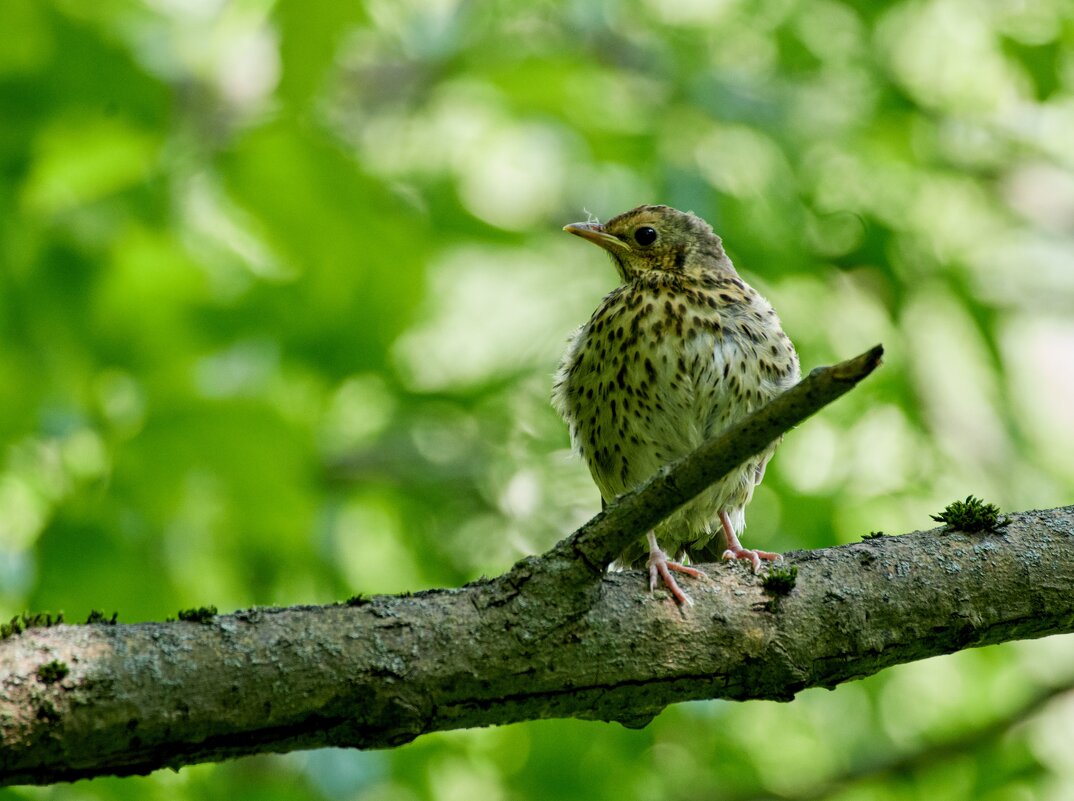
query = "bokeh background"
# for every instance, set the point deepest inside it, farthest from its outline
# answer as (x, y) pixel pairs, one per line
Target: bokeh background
(282, 288)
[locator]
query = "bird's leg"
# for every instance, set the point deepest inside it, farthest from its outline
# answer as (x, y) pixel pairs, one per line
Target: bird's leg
(660, 567)
(736, 551)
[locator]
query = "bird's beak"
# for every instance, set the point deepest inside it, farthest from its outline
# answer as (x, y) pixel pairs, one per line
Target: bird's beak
(596, 234)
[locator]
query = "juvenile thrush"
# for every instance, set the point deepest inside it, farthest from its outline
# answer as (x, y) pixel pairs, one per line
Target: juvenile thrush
(680, 350)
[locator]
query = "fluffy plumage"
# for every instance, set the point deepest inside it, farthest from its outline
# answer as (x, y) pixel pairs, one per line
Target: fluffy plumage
(676, 353)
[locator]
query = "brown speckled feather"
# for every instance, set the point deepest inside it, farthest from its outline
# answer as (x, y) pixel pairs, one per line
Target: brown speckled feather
(676, 353)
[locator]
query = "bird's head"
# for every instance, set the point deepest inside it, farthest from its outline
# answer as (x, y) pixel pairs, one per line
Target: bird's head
(656, 238)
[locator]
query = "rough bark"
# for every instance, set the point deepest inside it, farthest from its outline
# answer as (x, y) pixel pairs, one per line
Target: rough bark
(140, 697)
(553, 637)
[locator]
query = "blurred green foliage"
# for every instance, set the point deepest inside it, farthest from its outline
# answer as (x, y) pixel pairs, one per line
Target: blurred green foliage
(282, 288)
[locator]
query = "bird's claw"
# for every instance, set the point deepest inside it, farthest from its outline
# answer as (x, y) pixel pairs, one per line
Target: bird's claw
(754, 556)
(660, 569)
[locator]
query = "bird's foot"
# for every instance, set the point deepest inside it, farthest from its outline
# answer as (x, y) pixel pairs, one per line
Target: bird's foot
(754, 556)
(735, 549)
(660, 570)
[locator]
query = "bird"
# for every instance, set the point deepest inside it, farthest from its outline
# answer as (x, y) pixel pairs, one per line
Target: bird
(681, 349)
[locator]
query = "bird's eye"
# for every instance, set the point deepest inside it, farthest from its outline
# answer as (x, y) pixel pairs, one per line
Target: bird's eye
(645, 235)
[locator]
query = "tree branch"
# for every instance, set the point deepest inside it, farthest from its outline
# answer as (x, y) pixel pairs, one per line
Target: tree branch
(144, 696)
(553, 637)
(636, 512)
